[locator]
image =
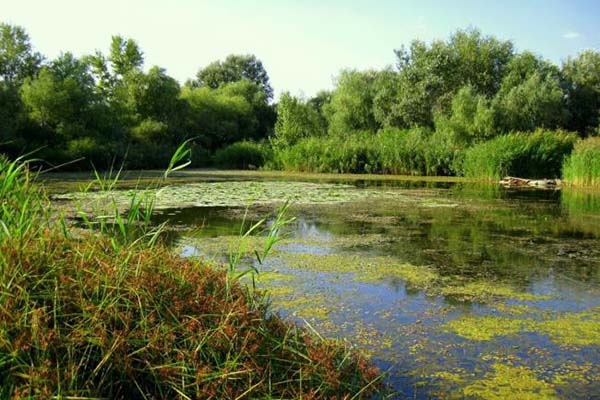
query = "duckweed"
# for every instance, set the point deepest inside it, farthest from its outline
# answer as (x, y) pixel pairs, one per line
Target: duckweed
(379, 269)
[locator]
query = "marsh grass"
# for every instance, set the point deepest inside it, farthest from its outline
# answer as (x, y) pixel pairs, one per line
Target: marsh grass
(582, 168)
(416, 151)
(528, 155)
(243, 155)
(110, 312)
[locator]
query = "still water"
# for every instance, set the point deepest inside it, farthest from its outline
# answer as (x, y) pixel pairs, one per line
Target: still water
(455, 290)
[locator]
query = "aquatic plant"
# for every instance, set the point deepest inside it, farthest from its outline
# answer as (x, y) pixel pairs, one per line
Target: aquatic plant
(508, 382)
(234, 194)
(566, 329)
(582, 168)
(529, 155)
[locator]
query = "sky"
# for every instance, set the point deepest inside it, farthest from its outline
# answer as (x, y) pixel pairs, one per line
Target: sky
(302, 44)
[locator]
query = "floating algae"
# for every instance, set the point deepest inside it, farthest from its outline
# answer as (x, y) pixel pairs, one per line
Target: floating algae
(379, 269)
(508, 382)
(238, 194)
(567, 329)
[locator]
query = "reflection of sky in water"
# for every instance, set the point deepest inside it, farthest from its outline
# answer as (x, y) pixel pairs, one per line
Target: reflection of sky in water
(544, 243)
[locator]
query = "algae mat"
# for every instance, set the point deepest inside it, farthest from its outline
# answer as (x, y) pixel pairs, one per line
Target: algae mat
(239, 194)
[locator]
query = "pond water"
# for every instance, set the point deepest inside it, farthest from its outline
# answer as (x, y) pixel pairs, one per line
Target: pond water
(453, 289)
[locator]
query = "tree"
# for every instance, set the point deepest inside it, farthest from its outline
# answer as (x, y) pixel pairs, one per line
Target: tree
(235, 68)
(471, 117)
(217, 117)
(583, 91)
(17, 59)
(61, 98)
(125, 55)
(297, 119)
(351, 106)
(430, 75)
(537, 102)
(154, 95)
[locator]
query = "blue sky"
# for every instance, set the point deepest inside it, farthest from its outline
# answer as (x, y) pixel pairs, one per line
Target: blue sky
(303, 44)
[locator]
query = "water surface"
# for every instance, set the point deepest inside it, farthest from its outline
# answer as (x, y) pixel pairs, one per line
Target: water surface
(455, 289)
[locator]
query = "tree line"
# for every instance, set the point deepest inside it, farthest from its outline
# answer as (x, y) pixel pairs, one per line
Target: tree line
(472, 85)
(439, 100)
(106, 108)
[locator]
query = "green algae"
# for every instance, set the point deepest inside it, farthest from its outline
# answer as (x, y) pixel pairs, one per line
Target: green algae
(223, 246)
(573, 329)
(379, 269)
(487, 289)
(485, 328)
(509, 382)
(567, 329)
(515, 309)
(239, 194)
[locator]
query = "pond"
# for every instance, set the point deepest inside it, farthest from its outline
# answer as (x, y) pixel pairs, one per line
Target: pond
(454, 289)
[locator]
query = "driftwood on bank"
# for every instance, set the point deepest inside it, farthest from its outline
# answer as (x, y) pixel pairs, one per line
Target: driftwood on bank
(510, 181)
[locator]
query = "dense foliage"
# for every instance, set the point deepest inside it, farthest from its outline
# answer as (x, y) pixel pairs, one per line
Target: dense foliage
(471, 97)
(536, 155)
(109, 109)
(446, 96)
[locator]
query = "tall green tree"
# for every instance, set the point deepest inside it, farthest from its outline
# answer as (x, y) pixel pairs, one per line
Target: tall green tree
(125, 55)
(582, 74)
(61, 99)
(17, 58)
(351, 106)
(537, 102)
(297, 119)
(471, 117)
(431, 74)
(233, 69)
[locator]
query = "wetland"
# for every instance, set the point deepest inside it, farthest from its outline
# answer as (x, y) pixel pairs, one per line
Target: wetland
(454, 289)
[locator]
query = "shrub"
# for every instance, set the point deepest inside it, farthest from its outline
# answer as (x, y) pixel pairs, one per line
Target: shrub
(356, 153)
(582, 168)
(531, 155)
(242, 155)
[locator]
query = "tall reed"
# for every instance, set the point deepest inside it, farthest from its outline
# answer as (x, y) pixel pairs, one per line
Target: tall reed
(582, 168)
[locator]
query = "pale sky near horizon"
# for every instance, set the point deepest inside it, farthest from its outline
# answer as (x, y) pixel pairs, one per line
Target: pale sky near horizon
(303, 44)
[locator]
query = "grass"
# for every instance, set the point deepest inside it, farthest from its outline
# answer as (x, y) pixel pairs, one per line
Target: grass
(582, 168)
(527, 155)
(109, 312)
(243, 155)
(417, 151)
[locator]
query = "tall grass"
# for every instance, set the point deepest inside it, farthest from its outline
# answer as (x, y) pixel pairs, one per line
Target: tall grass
(416, 151)
(243, 155)
(582, 168)
(91, 314)
(528, 155)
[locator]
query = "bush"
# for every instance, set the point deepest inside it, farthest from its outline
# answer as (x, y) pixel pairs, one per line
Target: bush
(582, 168)
(530, 155)
(356, 153)
(243, 155)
